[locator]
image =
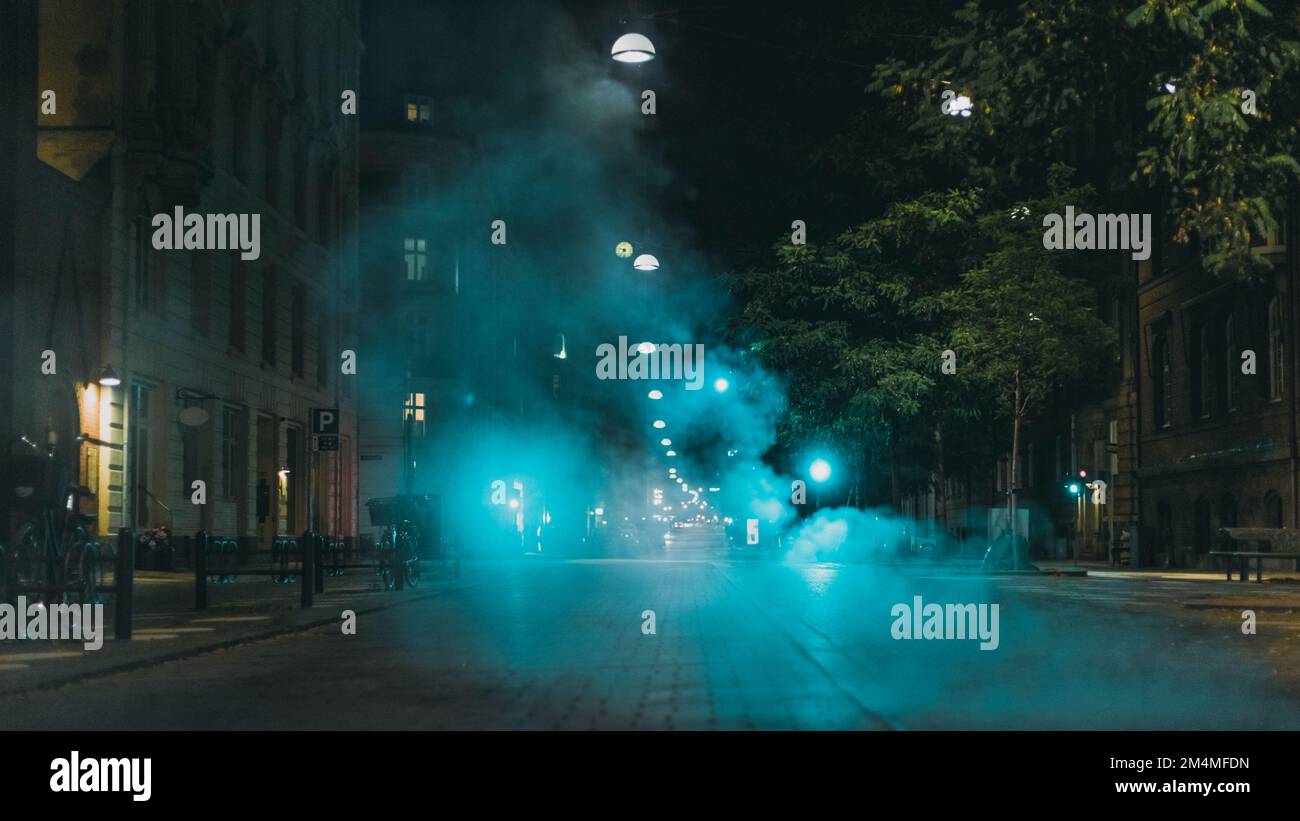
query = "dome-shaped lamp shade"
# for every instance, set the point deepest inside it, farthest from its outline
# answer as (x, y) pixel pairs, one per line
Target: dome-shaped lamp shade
(633, 48)
(646, 262)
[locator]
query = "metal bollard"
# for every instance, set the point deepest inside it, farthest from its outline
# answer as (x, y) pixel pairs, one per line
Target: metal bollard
(124, 581)
(201, 570)
(319, 576)
(307, 554)
(399, 564)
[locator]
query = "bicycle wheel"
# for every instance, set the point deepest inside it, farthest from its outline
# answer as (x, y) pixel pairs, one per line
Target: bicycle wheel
(78, 568)
(386, 552)
(409, 552)
(7, 592)
(30, 570)
(91, 573)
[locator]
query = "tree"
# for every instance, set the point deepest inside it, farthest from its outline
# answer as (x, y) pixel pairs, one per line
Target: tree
(1150, 96)
(856, 326)
(1026, 330)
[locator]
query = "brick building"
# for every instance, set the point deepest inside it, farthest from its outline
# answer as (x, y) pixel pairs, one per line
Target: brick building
(1217, 446)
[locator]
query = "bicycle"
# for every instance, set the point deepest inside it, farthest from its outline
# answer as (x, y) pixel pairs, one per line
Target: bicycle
(54, 553)
(398, 552)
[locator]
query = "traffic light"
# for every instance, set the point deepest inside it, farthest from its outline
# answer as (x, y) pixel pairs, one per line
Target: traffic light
(1075, 484)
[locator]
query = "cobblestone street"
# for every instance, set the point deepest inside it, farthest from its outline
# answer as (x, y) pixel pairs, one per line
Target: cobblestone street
(547, 644)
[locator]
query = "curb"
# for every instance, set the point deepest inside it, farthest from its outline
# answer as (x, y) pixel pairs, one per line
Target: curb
(225, 644)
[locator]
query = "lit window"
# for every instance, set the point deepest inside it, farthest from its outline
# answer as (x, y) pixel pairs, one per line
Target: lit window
(419, 110)
(414, 412)
(416, 255)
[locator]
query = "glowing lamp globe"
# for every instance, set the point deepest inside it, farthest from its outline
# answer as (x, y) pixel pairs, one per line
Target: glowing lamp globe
(623, 250)
(633, 48)
(820, 470)
(646, 262)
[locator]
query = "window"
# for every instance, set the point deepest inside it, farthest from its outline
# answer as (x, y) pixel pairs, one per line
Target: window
(413, 412)
(1228, 511)
(1164, 526)
(237, 287)
(1231, 362)
(137, 469)
(418, 109)
(417, 186)
(140, 272)
(416, 256)
(189, 452)
(1275, 352)
(1205, 373)
(322, 352)
(1201, 524)
(268, 318)
(1162, 390)
(1273, 510)
(232, 454)
(298, 329)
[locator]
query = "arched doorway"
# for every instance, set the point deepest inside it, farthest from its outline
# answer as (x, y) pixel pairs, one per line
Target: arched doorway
(1164, 527)
(1273, 516)
(1201, 525)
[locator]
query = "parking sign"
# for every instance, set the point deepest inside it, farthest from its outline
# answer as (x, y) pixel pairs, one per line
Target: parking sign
(325, 428)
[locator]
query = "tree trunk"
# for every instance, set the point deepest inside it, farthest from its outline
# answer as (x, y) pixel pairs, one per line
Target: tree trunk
(940, 479)
(1011, 473)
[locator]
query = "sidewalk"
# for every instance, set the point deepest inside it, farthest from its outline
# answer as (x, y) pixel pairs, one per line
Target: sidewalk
(1102, 569)
(166, 626)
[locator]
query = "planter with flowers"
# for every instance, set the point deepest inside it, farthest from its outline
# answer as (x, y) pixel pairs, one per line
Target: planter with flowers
(154, 551)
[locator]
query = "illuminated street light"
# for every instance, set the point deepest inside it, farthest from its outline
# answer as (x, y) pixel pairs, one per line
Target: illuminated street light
(720, 385)
(820, 470)
(957, 106)
(633, 48)
(671, 453)
(646, 262)
(646, 347)
(665, 442)
(659, 423)
(109, 378)
(656, 394)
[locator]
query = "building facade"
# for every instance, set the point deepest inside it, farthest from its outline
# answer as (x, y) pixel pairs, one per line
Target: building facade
(1218, 411)
(199, 365)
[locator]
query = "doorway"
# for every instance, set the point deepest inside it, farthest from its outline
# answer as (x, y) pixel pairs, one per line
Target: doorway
(268, 501)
